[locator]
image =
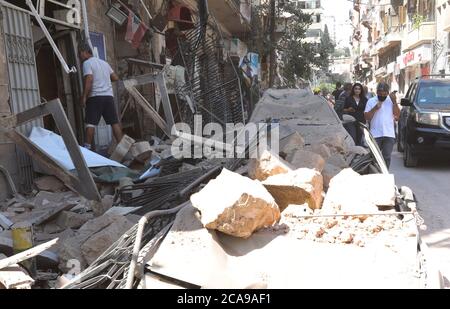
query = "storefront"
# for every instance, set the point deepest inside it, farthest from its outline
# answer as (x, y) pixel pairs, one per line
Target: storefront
(416, 63)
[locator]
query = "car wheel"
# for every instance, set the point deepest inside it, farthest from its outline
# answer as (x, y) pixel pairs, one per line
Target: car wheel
(409, 159)
(399, 142)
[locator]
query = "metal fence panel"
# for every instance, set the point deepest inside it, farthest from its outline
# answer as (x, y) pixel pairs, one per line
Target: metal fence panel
(24, 86)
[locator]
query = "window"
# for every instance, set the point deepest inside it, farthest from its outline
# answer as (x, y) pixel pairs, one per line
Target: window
(434, 93)
(315, 18)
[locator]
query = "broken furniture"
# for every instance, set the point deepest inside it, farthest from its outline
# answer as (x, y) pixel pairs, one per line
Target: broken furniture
(83, 184)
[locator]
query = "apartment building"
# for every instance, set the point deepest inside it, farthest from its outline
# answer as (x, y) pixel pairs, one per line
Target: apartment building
(315, 30)
(402, 40)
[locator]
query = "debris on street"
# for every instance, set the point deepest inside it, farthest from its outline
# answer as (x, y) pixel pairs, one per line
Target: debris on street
(177, 170)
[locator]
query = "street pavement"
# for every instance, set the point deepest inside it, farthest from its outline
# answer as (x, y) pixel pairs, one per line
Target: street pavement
(430, 182)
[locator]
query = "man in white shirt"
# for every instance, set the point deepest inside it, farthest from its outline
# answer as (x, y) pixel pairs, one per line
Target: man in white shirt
(381, 113)
(98, 97)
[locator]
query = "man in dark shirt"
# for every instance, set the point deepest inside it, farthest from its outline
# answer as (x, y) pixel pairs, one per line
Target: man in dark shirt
(337, 92)
(346, 92)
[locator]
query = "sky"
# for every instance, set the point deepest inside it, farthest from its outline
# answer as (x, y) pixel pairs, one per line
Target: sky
(340, 10)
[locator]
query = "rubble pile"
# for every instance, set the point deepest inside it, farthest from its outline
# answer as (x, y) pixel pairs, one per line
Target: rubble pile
(357, 230)
(306, 191)
(299, 193)
(84, 229)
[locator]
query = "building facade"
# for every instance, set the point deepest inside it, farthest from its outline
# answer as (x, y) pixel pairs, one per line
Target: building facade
(32, 70)
(399, 40)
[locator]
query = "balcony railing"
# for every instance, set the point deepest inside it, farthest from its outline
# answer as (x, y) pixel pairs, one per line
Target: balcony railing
(424, 34)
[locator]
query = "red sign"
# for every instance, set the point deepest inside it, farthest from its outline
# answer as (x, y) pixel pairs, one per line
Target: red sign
(409, 57)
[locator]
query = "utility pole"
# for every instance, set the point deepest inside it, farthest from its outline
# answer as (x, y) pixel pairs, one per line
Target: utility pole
(272, 42)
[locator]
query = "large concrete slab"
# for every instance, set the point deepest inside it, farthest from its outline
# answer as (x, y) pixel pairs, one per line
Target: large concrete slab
(298, 110)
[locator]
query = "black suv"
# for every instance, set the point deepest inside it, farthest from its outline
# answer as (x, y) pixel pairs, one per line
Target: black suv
(424, 125)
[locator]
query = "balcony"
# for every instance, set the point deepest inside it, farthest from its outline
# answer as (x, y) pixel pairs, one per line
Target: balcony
(381, 71)
(426, 33)
(391, 39)
(234, 15)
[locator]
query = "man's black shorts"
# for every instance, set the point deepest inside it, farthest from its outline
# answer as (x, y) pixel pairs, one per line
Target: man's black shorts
(96, 107)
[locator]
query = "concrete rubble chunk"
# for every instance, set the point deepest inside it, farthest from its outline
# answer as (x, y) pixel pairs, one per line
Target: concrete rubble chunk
(99, 242)
(50, 184)
(141, 151)
(92, 239)
(100, 208)
(236, 205)
(71, 248)
(337, 160)
(68, 219)
(122, 149)
(291, 143)
(307, 159)
(268, 164)
(350, 192)
(14, 277)
(296, 188)
(335, 142)
(70, 254)
(45, 198)
(320, 149)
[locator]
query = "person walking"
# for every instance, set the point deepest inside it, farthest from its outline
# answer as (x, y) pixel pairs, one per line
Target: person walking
(346, 92)
(337, 92)
(98, 97)
(381, 112)
(355, 106)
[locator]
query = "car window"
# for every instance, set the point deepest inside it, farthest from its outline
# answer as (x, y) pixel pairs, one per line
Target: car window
(434, 93)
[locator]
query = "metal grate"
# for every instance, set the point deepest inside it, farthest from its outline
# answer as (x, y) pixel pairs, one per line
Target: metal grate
(24, 87)
(213, 84)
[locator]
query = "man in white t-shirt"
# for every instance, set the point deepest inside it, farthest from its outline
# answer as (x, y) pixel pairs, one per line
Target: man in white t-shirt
(381, 112)
(98, 97)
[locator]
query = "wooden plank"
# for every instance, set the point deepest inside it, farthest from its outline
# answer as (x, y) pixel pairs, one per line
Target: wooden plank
(51, 213)
(28, 254)
(168, 113)
(31, 114)
(86, 183)
(130, 86)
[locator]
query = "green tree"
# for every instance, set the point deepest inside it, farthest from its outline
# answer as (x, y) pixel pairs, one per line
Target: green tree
(326, 49)
(299, 59)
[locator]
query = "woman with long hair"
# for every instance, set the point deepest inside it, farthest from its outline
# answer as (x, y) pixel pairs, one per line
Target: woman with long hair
(355, 104)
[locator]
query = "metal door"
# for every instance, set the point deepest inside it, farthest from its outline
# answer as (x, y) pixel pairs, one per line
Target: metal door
(23, 80)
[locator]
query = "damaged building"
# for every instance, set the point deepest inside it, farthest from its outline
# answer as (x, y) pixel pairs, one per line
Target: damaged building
(201, 40)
